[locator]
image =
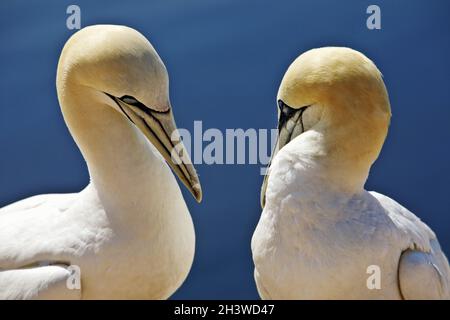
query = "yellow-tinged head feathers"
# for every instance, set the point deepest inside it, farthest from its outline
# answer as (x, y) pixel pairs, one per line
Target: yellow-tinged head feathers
(330, 74)
(347, 96)
(117, 60)
(115, 66)
(333, 110)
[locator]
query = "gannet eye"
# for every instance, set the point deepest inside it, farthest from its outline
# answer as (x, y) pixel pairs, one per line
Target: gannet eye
(280, 104)
(130, 100)
(285, 109)
(288, 113)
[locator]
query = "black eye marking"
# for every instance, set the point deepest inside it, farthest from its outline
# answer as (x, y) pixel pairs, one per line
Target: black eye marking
(132, 101)
(120, 107)
(287, 112)
(280, 104)
(135, 102)
(129, 100)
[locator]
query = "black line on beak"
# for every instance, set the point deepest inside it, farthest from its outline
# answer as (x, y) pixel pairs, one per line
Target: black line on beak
(118, 104)
(135, 103)
(163, 145)
(147, 111)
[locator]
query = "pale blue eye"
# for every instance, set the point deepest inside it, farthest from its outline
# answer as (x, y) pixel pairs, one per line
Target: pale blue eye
(129, 100)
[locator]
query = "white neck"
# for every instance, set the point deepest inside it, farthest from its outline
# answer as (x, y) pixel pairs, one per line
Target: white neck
(324, 167)
(124, 167)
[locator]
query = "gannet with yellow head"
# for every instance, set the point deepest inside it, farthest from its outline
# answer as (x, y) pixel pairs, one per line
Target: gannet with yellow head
(320, 231)
(129, 231)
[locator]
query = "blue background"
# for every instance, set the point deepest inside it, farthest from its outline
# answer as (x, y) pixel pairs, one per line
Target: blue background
(226, 60)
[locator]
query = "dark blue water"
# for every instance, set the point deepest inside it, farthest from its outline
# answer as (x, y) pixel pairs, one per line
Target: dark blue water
(226, 59)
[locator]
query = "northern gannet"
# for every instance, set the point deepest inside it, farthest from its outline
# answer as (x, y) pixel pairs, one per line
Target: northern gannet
(129, 231)
(320, 231)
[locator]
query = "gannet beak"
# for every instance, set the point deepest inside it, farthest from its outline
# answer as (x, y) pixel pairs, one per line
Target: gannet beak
(290, 125)
(159, 127)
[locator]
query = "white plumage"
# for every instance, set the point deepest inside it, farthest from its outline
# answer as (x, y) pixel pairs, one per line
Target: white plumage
(320, 230)
(129, 231)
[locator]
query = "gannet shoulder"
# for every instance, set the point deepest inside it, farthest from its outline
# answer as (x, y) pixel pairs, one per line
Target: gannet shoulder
(423, 269)
(408, 224)
(53, 228)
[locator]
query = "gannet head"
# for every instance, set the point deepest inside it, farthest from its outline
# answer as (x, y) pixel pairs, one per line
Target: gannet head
(120, 68)
(340, 93)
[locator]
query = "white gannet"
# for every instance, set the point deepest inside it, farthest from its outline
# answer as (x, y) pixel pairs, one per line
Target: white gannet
(129, 231)
(320, 232)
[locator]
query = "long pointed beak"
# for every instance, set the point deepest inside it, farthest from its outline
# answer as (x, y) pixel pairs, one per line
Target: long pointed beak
(290, 125)
(160, 129)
